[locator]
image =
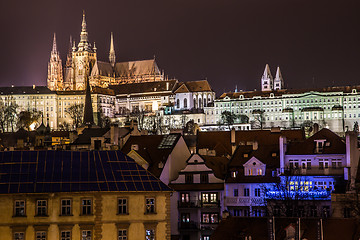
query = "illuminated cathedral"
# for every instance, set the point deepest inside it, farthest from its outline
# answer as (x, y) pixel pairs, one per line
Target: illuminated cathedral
(82, 63)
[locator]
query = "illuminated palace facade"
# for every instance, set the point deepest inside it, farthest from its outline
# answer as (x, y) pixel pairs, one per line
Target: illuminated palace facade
(336, 108)
(82, 63)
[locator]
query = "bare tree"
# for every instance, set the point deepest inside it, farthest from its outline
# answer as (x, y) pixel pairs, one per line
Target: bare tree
(76, 113)
(259, 118)
(10, 114)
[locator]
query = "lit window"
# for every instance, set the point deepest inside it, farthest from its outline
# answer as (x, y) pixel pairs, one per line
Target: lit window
(150, 205)
(150, 234)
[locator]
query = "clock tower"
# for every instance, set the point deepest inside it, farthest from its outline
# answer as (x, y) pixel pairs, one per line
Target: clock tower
(83, 59)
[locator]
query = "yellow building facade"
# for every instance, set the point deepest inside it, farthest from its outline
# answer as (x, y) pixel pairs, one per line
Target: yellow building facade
(39, 208)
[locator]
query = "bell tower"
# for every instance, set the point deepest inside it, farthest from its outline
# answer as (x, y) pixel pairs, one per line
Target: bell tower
(55, 74)
(84, 58)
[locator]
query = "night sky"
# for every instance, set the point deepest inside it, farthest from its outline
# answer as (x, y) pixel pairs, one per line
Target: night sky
(315, 43)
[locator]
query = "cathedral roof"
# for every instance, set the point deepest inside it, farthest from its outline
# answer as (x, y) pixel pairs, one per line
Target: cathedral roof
(126, 69)
(144, 87)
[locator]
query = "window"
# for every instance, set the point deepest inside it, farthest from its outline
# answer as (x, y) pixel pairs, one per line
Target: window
(209, 197)
(86, 207)
(122, 234)
(122, 206)
(313, 211)
(150, 234)
(347, 212)
(66, 207)
(41, 207)
(185, 103)
(185, 197)
(323, 163)
(204, 178)
(336, 163)
(150, 205)
(40, 235)
(236, 192)
(257, 192)
(178, 103)
(189, 178)
(246, 192)
(294, 164)
(86, 235)
(19, 236)
(185, 217)
(19, 210)
(65, 235)
(205, 237)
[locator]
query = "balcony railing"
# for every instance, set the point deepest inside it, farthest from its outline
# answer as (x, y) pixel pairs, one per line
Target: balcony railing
(244, 201)
(198, 204)
(189, 226)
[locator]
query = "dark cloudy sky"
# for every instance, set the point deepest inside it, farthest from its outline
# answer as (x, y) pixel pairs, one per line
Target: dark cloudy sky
(315, 42)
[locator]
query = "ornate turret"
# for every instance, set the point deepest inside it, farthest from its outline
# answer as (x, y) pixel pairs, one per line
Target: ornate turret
(266, 80)
(69, 54)
(84, 44)
(112, 58)
(278, 81)
(55, 75)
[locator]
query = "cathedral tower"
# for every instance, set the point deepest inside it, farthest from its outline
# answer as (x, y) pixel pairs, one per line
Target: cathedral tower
(266, 80)
(278, 81)
(83, 59)
(55, 75)
(112, 58)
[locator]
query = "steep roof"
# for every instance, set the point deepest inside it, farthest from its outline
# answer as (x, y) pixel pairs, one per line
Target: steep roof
(153, 149)
(307, 147)
(144, 87)
(73, 171)
(126, 69)
(194, 86)
(220, 140)
(88, 133)
(267, 154)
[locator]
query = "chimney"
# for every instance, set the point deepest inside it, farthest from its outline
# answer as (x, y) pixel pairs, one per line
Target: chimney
(282, 148)
(167, 86)
(232, 140)
(114, 134)
(352, 158)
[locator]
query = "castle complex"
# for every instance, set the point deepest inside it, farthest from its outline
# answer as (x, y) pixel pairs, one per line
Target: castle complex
(82, 63)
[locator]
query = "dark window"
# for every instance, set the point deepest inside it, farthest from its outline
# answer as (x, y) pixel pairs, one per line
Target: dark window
(204, 178)
(65, 207)
(41, 207)
(122, 206)
(65, 235)
(122, 234)
(189, 178)
(246, 192)
(257, 192)
(40, 235)
(86, 207)
(86, 235)
(19, 236)
(236, 192)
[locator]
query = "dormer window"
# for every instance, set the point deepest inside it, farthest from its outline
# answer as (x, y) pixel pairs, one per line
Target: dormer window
(319, 145)
(254, 167)
(234, 174)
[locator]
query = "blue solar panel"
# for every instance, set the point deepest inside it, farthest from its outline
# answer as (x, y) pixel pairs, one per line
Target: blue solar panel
(69, 171)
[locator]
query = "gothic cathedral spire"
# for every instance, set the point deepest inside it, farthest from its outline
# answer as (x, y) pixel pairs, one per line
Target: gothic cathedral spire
(278, 81)
(112, 58)
(266, 80)
(55, 75)
(84, 44)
